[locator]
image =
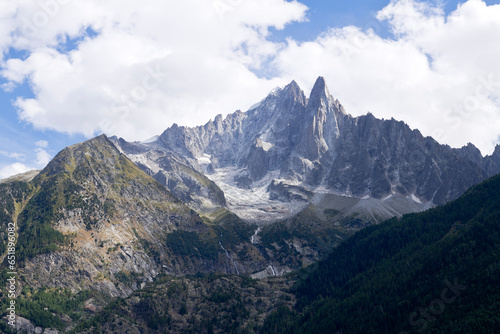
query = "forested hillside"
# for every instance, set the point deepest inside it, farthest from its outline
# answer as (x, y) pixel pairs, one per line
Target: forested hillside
(433, 272)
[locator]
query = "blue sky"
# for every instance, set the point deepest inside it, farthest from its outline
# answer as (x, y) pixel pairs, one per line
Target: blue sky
(327, 14)
(73, 70)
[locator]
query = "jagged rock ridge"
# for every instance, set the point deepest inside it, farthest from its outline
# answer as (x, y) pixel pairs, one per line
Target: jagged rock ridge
(311, 144)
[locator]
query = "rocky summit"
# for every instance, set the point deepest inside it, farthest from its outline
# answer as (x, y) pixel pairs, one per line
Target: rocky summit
(289, 151)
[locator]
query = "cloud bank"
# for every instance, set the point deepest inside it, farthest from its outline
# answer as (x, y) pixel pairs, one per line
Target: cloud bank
(133, 69)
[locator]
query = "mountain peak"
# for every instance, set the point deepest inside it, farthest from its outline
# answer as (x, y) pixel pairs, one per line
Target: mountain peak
(318, 93)
(320, 81)
(293, 85)
(101, 141)
(93, 152)
(471, 153)
(293, 90)
(319, 87)
(497, 150)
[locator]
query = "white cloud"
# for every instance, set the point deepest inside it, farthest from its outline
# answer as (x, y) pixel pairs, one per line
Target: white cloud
(42, 157)
(159, 62)
(14, 155)
(150, 65)
(42, 143)
(13, 169)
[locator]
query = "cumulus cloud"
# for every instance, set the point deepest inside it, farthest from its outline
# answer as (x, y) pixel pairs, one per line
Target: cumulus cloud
(42, 157)
(146, 66)
(13, 169)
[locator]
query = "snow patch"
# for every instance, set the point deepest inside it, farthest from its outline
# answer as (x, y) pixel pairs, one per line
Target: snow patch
(307, 163)
(205, 159)
(265, 145)
(416, 199)
(143, 160)
(252, 204)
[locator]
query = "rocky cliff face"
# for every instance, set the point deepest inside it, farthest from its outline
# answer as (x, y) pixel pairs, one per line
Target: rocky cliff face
(490, 164)
(93, 220)
(96, 210)
(390, 159)
(312, 144)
